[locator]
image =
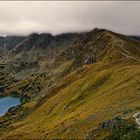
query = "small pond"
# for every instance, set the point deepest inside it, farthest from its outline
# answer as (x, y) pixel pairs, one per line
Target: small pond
(8, 102)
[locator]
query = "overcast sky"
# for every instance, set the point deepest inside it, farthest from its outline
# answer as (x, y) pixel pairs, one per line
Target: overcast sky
(22, 18)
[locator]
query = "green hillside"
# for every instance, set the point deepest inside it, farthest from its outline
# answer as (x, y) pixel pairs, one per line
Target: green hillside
(90, 90)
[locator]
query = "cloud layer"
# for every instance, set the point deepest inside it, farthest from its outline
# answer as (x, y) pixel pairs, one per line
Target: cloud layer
(25, 17)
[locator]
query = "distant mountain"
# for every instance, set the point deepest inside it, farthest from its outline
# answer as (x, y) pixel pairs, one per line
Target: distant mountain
(72, 86)
(9, 42)
(136, 37)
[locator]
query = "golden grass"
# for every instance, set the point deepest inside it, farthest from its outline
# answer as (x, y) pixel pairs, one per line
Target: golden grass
(96, 91)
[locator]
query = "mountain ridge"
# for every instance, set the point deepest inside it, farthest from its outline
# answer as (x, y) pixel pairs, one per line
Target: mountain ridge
(72, 86)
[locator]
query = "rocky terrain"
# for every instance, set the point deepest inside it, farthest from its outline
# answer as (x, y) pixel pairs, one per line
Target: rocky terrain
(71, 86)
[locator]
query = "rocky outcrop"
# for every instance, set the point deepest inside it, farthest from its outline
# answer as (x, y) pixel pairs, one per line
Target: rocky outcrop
(108, 125)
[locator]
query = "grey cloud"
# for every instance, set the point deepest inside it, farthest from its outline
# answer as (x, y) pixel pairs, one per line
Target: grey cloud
(25, 17)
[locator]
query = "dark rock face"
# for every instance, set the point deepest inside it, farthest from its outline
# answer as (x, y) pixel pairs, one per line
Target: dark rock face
(109, 125)
(87, 49)
(9, 42)
(1, 42)
(136, 37)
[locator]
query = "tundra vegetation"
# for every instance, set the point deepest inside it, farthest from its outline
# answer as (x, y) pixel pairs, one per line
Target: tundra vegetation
(71, 86)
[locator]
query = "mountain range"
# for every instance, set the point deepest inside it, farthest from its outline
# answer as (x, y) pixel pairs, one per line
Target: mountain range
(71, 86)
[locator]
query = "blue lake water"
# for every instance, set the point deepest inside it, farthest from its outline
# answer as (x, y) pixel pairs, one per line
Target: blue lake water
(8, 102)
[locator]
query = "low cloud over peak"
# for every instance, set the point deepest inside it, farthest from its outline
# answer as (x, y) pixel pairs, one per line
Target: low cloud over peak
(22, 18)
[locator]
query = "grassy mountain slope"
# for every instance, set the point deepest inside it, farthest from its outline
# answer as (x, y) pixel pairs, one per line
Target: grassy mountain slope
(93, 82)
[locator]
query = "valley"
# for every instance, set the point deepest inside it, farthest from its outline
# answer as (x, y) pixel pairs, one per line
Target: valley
(71, 86)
